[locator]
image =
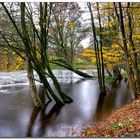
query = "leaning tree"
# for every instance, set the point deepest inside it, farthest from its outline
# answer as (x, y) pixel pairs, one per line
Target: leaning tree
(36, 54)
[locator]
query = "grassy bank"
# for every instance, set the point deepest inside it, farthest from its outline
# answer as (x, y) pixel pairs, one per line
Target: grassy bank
(78, 64)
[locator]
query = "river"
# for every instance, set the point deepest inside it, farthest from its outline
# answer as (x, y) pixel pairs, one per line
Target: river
(18, 117)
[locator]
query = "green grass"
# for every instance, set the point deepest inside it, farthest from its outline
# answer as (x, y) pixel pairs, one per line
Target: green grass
(78, 64)
(56, 67)
(84, 65)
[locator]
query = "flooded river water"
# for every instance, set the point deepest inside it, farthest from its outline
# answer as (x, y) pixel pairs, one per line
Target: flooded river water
(18, 117)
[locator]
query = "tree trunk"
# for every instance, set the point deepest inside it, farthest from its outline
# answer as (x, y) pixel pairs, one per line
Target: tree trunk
(37, 102)
(35, 98)
(117, 73)
(97, 53)
(134, 55)
(45, 60)
(43, 19)
(101, 52)
(80, 73)
(128, 69)
(32, 61)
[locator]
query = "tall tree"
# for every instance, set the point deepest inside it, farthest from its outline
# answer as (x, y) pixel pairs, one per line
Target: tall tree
(119, 14)
(101, 50)
(99, 60)
(132, 44)
(67, 33)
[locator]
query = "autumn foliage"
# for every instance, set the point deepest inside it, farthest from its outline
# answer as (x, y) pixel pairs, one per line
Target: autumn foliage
(113, 55)
(10, 60)
(124, 122)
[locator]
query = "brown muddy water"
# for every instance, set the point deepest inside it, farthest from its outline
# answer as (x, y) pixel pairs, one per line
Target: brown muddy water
(18, 117)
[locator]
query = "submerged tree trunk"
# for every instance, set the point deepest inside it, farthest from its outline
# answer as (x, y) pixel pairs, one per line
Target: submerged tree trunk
(32, 61)
(44, 46)
(80, 73)
(35, 97)
(36, 100)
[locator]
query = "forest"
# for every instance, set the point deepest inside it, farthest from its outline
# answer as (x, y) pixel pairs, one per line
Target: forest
(69, 69)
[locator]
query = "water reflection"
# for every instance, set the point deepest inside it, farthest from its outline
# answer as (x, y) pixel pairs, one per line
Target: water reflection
(99, 108)
(44, 119)
(122, 93)
(115, 98)
(18, 117)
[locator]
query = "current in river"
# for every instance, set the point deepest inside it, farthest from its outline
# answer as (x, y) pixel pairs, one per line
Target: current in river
(18, 117)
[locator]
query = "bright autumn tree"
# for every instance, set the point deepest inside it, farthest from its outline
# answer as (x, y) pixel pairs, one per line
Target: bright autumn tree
(109, 22)
(113, 57)
(109, 30)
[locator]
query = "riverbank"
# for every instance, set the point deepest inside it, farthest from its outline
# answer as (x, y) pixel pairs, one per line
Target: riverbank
(124, 122)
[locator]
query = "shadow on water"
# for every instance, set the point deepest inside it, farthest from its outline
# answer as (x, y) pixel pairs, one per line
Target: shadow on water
(44, 118)
(115, 98)
(100, 114)
(99, 110)
(18, 117)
